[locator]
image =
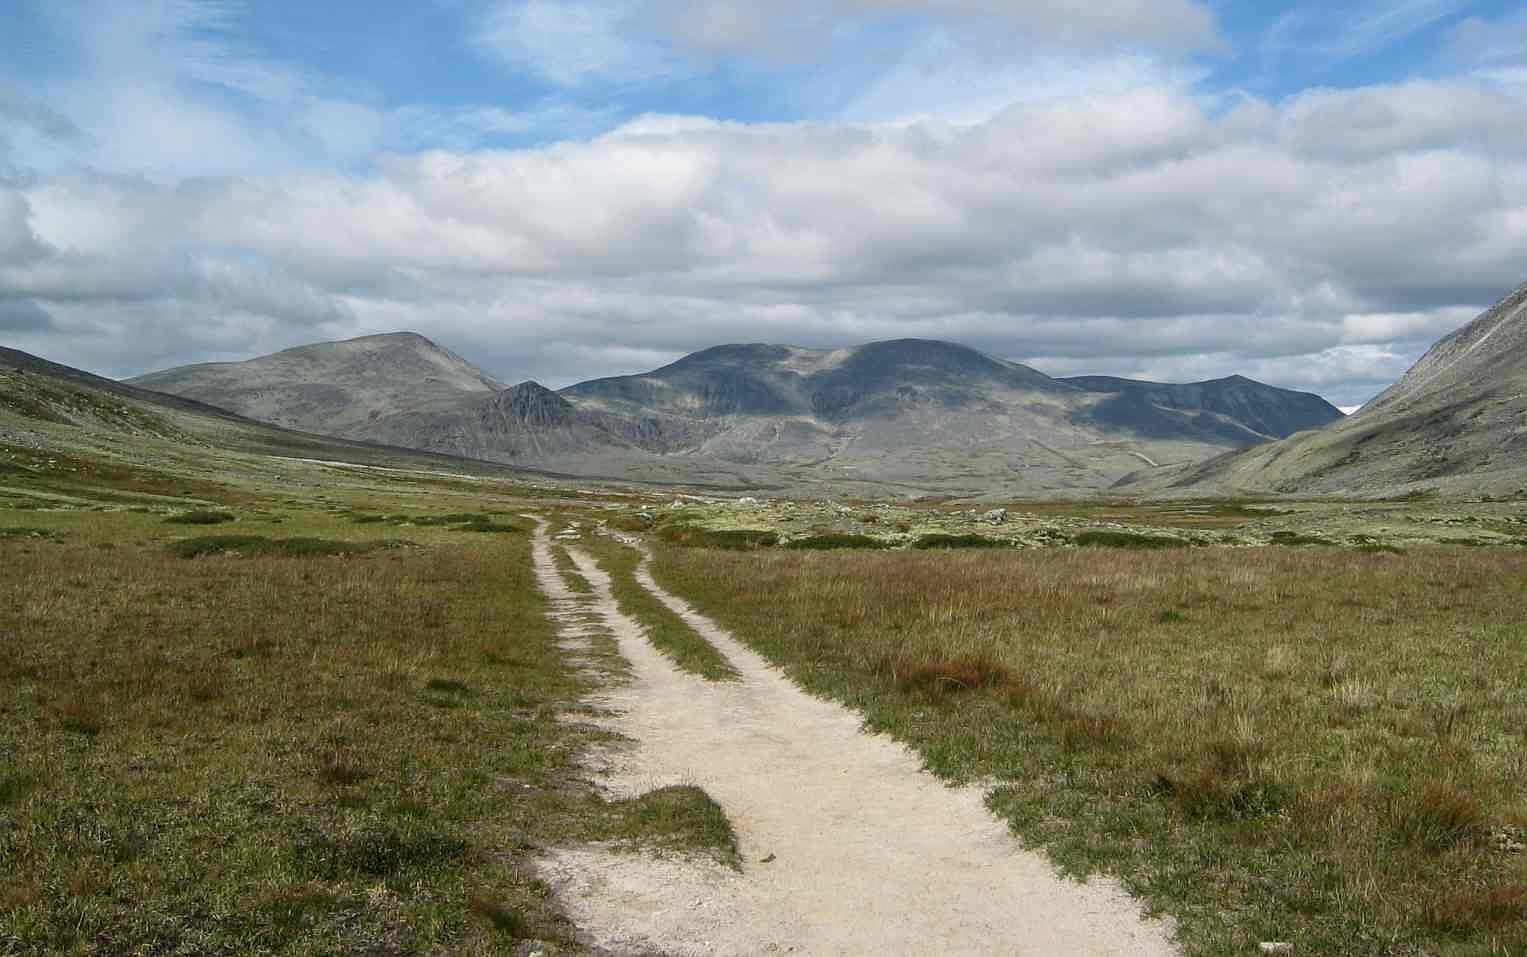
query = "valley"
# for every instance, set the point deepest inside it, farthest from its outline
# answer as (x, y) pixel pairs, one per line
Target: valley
(1266, 719)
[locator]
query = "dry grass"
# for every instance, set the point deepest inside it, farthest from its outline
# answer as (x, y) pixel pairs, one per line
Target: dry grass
(302, 751)
(1314, 746)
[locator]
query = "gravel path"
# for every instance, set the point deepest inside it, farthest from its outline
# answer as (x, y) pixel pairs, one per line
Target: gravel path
(850, 847)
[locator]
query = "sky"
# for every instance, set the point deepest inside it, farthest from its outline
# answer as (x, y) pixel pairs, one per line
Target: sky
(1307, 193)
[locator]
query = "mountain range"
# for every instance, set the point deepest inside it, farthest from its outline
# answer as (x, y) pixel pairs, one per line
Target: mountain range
(1454, 425)
(902, 416)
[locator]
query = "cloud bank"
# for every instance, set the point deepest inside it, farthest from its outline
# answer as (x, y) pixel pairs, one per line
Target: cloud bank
(1319, 240)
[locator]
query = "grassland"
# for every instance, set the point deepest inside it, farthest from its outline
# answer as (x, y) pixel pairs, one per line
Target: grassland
(1323, 746)
(349, 745)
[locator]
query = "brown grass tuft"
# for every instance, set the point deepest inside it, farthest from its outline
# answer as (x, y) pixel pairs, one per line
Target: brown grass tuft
(341, 768)
(938, 678)
(1460, 909)
(1442, 816)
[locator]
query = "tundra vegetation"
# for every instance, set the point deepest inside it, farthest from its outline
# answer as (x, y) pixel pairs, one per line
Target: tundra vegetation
(1325, 746)
(339, 720)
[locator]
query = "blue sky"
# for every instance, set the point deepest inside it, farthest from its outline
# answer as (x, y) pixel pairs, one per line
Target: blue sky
(1308, 193)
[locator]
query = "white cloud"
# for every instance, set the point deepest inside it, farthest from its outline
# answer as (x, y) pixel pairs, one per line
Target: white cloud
(1136, 233)
(574, 42)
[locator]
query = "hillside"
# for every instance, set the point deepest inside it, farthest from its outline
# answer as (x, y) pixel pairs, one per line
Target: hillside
(1455, 424)
(336, 388)
(887, 417)
(52, 413)
(903, 416)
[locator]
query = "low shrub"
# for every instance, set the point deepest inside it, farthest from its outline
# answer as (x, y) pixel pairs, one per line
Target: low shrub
(832, 541)
(201, 518)
(1299, 538)
(939, 540)
(258, 545)
(1134, 540)
(731, 539)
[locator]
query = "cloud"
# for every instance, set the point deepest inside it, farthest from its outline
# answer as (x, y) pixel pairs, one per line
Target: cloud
(575, 42)
(1322, 241)
(1354, 29)
(23, 316)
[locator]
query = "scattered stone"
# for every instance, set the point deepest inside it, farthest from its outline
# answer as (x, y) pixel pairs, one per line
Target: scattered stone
(1276, 947)
(995, 517)
(748, 501)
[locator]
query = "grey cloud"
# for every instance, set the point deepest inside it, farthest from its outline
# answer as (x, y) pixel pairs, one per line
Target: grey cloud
(1117, 231)
(23, 315)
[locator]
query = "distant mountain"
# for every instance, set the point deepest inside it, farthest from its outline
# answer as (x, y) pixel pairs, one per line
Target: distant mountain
(1244, 411)
(1456, 424)
(906, 415)
(41, 400)
(337, 388)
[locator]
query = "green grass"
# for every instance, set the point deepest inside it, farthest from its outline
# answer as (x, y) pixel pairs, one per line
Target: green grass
(679, 817)
(571, 576)
(666, 630)
(190, 756)
(1326, 747)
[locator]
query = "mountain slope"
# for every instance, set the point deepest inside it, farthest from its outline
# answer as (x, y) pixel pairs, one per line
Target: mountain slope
(1243, 410)
(907, 415)
(337, 388)
(45, 405)
(1456, 424)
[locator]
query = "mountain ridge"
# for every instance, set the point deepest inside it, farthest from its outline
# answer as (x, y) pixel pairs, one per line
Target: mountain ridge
(1452, 425)
(913, 414)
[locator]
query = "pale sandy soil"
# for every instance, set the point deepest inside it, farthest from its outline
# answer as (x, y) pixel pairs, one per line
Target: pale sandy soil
(866, 852)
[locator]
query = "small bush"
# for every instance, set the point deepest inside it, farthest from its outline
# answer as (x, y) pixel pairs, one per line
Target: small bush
(939, 540)
(258, 545)
(834, 541)
(201, 518)
(1135, 540)
(1299, 538)
(734, 539)
(1442, 816)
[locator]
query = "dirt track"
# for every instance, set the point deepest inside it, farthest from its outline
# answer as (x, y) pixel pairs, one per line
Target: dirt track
(868, 853)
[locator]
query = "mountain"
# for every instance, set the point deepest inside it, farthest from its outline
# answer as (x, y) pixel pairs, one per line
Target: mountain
(1243, 410)
(906, 415)
(338, 388)
(1455, 424)
(49, 407)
